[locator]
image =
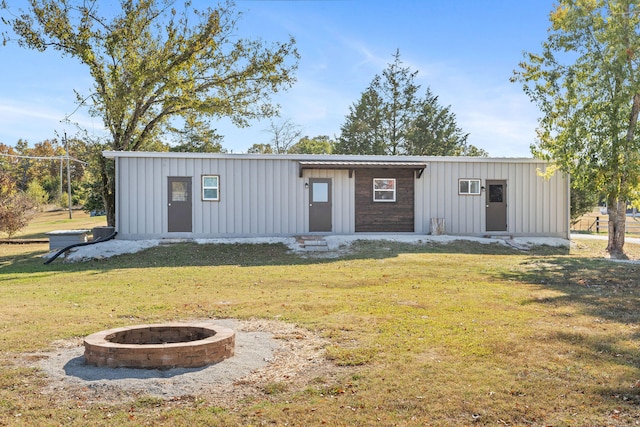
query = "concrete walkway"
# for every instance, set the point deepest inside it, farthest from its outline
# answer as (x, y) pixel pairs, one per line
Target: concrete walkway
(602, 236)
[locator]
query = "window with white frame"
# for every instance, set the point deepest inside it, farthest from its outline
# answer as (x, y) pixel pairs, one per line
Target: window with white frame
(384, 189)
(211, 188)
(469, 186)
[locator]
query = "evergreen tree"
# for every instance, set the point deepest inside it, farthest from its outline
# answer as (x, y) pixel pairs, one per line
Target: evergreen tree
(435, 131)
(391, 119)
(363, 131)
(196, 137)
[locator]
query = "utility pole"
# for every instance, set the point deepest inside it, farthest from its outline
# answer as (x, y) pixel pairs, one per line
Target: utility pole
(61, 179)
(66, 143)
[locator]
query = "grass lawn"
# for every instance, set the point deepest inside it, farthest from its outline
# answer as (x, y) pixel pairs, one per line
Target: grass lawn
(458, 334)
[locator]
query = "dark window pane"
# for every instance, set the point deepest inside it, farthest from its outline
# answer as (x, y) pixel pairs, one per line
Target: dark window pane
(495, 193)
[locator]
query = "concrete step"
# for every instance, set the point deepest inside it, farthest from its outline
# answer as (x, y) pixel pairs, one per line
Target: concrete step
(313, 243)
(313, 248)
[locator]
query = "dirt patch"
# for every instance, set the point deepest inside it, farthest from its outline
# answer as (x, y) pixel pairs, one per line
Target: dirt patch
(267, 353)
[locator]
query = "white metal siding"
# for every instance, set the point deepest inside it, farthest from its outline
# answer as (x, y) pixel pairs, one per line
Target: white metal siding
(535, 206)
(257, 197)
(264, 195)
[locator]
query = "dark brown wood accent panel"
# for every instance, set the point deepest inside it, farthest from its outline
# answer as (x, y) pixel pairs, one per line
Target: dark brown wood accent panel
(390, 217)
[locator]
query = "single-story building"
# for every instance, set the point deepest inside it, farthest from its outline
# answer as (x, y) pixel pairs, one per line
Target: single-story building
(202, 195)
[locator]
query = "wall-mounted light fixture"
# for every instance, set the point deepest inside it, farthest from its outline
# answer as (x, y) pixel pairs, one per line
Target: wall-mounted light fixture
(482, 188)
(306, 185)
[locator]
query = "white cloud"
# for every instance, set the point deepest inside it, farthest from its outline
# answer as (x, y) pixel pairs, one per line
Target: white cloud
(38, 121)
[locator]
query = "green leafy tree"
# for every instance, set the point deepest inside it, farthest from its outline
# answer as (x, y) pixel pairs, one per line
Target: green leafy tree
(583, 201)
(391, 119)
(320, 144)
(37, 193)
(39, 166)
(44, 170)
(586, 82)
(473, 151)
(260, 149)
(152, 63)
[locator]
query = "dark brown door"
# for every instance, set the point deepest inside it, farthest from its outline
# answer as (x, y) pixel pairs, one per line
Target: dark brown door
(179, 204)
(320, 204)
(496, 193)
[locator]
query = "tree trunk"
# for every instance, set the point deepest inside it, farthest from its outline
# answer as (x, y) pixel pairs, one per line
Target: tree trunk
(107, 175)
(110, 207)
(617, 227)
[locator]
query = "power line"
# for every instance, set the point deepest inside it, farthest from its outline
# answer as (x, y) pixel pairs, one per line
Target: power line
(43, 158)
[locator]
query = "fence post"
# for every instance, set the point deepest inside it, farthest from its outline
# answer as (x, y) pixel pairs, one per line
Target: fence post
(597, 224)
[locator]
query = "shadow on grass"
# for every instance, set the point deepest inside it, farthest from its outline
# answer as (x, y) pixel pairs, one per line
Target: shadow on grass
(605, 289)
(252, 255)
(606, 293)
(21, 259)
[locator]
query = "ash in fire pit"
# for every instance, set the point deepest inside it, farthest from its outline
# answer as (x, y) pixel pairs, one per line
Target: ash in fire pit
(160, 346)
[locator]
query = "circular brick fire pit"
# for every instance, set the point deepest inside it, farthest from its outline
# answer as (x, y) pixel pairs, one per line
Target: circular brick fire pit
(160, 346)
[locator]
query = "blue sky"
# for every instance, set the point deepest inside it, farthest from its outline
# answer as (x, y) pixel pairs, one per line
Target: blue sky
(464, 50)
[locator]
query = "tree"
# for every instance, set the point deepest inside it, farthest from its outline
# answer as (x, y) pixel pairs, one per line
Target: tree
(44, 170)
(260, 149)
(16, 208)
(363, 130)
(320, 144)
(583, 200)
(152, 63)
(41, 165)
(400, 103)
(25, 164)
(283, 135)
(197, 137)
(37, 193)
(435, 131)
(7, 184)
(391, 119)
(9, 164)
(586, 82)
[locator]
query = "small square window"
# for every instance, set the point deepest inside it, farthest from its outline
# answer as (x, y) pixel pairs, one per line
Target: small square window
(469, 186)
(211, 187)
(384, 189)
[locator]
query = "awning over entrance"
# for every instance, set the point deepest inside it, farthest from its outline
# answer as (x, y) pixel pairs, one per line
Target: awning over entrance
(418, 167)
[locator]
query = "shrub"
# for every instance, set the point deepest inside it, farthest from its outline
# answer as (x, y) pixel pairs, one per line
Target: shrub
(37, 193)
(15, 212)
